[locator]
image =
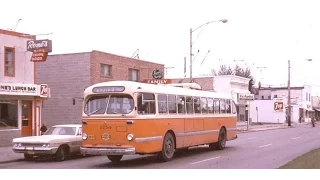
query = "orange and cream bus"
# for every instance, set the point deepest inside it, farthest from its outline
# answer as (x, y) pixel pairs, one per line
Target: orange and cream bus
(123, 118)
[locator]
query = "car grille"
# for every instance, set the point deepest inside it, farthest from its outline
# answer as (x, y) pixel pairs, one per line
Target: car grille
(31, 145)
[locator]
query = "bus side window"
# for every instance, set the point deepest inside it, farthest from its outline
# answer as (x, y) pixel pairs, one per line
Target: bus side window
(146, 103)
(204, 105)
(216, 106)
(196, 102)
(162, 104)
(172, 104)
(234, 108)
(222, 106)
(181, 105)
(228, 106)
(189, 104)
(210, 106)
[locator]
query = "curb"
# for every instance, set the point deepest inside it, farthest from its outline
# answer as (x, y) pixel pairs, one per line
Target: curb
(253, 130)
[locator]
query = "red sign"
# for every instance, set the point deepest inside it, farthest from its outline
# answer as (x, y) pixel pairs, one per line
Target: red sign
(44, 90)
(278, 106)
(39, 55)
(157, 81)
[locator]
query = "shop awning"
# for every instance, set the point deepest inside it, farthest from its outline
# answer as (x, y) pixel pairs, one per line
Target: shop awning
(317, 109)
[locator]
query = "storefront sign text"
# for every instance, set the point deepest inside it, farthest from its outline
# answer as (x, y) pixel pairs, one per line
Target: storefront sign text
(157, 81)
(245, 97)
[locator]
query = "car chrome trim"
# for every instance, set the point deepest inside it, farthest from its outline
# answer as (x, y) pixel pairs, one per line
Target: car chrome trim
(107, 151)
(148, 139)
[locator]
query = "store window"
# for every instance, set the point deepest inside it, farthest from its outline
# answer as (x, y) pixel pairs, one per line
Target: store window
(8, 114)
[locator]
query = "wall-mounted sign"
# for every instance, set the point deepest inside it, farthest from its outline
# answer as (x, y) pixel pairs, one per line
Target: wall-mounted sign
(44, 90)
(157, 74)
(157, 81)
(39, 55)
(278, 106)
(245, 97)
(39, 49)
(39, 44)
(18, 89)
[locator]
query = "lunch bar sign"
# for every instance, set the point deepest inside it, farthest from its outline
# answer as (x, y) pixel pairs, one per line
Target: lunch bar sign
(24, 89)
(39, 49)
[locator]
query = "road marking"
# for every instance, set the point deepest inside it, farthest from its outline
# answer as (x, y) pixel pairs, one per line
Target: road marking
(205, 160)
(252, 138)
(265, 145)
(296, 138)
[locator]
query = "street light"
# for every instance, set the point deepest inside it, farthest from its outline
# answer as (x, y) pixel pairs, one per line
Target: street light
(289, 93)
(191, 31)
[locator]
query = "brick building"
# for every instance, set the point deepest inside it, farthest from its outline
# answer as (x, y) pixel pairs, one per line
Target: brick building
(69, 74)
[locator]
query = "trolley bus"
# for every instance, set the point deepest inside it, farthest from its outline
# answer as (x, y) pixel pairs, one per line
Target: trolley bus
(125, 118)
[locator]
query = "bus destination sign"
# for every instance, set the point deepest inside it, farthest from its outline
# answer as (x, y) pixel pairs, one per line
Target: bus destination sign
(102, 89)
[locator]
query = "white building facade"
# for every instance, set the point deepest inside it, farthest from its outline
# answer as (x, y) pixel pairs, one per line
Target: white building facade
(271, 102)
(238, 87)
(20, 97)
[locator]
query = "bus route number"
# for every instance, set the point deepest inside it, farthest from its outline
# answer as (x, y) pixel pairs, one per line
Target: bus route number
(105, 127)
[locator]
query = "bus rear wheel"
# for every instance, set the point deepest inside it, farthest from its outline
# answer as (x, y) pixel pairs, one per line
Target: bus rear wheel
(222, 139)
(115, 158)
(168, 148)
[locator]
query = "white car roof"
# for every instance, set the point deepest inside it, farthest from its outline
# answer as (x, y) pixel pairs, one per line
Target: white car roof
(68, 125)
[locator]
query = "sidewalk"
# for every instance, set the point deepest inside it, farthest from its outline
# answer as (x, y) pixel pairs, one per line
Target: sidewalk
(243, 128)
(7, 155)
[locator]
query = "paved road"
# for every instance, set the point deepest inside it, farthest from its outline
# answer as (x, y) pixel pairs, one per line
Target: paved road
(255, 150)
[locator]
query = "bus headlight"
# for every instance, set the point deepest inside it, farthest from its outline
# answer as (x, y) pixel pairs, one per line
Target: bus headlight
(130, 137)
(84, 136)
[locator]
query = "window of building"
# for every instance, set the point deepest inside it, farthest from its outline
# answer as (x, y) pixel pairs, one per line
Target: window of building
(9, 61)
(275, 96)
(8, 114)
(269, 97)
(105, 70)
(133, 75)
(262, 97)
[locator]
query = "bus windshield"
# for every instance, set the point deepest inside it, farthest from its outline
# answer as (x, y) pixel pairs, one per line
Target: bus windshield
(109, 104)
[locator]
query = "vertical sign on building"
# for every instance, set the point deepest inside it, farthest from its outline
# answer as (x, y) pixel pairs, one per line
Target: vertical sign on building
(39, 49)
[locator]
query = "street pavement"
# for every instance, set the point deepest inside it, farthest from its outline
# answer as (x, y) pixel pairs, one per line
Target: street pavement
(252, 150)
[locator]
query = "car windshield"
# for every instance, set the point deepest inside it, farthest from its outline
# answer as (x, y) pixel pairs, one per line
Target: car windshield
(61, 131)
(110, 104)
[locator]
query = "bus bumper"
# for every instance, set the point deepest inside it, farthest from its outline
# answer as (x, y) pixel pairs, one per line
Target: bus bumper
(107, 151)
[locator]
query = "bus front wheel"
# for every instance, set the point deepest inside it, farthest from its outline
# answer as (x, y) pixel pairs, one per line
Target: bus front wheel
(115, 158)
(168, 148)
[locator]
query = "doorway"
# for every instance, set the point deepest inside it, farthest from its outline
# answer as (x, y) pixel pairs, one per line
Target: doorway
(26, 129)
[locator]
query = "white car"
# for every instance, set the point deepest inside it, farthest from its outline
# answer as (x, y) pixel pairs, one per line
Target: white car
(58, 141)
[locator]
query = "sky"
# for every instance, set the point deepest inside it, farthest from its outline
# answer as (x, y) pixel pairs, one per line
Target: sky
(261, 34)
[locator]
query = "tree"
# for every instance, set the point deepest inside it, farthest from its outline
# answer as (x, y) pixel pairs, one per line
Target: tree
(237, 71)
(243, 72)
(225, 70)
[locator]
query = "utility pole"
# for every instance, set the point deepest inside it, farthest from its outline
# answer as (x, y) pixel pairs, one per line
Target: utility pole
(289, 96)
(190, 54)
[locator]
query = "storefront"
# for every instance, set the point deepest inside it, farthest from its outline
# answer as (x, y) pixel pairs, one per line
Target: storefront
(20, 109)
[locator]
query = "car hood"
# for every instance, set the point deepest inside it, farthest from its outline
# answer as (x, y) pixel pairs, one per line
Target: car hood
(44, 139)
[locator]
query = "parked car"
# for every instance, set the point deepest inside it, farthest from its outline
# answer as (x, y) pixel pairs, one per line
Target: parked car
(58, 141)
